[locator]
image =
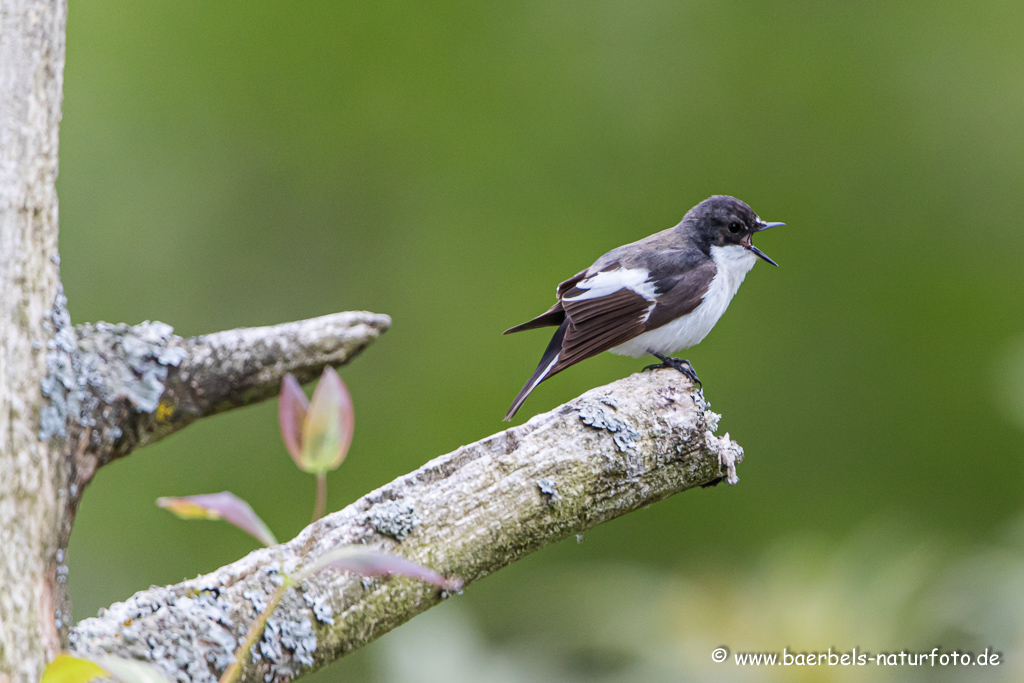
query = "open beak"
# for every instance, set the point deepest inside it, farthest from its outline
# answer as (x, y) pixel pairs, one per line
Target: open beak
(757, 252)
(761, 254)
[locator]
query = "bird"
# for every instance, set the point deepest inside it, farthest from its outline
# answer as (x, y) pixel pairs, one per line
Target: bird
(656, 296)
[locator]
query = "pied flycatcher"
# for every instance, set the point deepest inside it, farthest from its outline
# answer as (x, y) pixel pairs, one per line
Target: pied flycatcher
(658, 296)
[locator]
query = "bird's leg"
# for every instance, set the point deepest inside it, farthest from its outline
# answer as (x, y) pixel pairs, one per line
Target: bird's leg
(680, 364)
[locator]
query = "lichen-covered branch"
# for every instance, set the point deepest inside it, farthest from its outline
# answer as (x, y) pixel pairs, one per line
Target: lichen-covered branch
(113, 388)
(239, 367)
(613, 450)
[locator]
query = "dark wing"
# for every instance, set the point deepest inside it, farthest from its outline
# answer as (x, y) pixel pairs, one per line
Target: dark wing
(680, 294)
(586, 327)
(590, 326)
(598, 324)
(554, 315)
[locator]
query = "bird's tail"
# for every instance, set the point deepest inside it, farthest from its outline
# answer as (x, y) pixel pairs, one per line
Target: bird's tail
(543, 371)
(551, 317)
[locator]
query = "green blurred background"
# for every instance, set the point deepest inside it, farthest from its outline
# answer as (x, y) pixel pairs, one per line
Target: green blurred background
(235, 164)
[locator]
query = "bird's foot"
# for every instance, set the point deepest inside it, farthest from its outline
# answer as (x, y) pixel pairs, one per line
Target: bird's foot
(680, 364)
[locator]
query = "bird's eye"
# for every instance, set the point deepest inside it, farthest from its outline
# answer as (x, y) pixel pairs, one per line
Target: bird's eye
(734, 227)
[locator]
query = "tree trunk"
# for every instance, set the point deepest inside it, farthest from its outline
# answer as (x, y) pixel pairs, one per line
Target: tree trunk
(32, 472)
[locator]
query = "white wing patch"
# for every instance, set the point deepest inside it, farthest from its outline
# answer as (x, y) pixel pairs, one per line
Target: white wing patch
(610, 281)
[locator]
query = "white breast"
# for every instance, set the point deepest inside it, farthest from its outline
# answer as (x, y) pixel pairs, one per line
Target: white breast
(733, 264)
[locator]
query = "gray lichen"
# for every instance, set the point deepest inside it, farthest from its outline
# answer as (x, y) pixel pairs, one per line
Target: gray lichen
(394, 518)
(729, 452)
(273, 574)
(178, 628)
(287, 646)
(728, 455)
(94, 371)
(192, 636)
(548, 490)
(257, 598)
(322, 609)
(706, 416)
(601, 415)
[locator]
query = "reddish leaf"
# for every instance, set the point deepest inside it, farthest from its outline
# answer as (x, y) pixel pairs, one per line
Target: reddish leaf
(327, 430)
(368, 562)
(291, 414)
(225, 506)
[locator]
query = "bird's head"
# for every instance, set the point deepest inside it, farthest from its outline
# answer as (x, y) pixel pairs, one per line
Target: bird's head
(724, 221)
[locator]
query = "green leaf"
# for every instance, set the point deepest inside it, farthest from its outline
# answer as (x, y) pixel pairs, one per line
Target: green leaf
(329, 425)
(223, 506)
(66, 668)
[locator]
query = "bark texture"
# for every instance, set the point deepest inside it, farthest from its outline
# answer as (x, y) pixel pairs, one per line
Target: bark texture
(466, 514)
(32, 495)
(115, 388)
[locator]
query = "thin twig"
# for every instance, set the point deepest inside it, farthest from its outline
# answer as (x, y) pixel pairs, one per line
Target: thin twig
(253, 635)
(321, 497)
